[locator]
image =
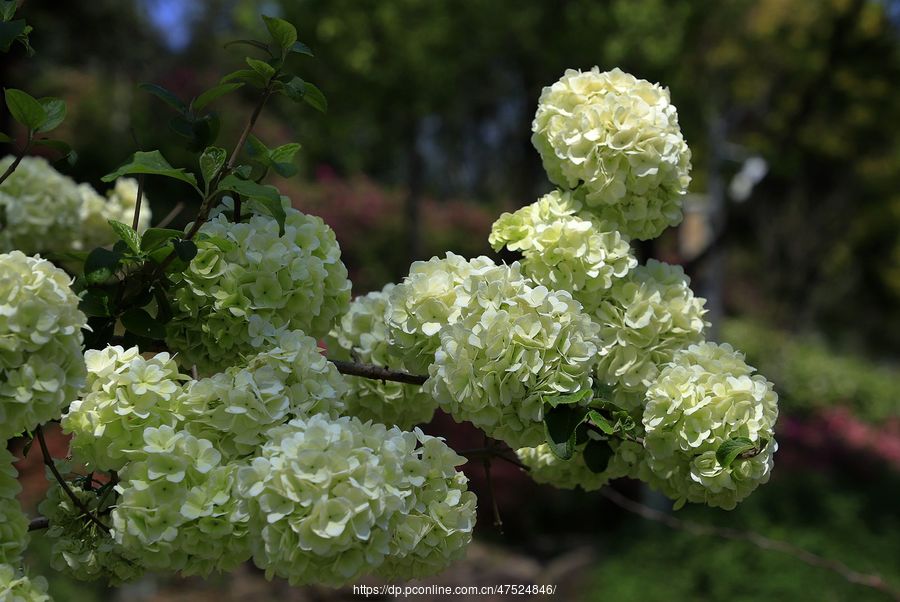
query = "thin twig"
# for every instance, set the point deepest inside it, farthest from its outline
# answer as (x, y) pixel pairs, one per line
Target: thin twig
(490, 452)
(835, 566)
(137, 203)
(486, 462)
(171, 215)
(48, 460)
(41, 522)
(12, 166)
(377, 372)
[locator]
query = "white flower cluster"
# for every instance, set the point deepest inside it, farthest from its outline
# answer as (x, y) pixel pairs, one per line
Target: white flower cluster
(331, 500)
(42, 210)
(17, 587)
(565, 251)
(617, 137)
(362, 335)
(428, 299)
(125, 394)
(249, 282)
(546, 467)
(644, 319)
(41, 366)
(79, 547)
(176, 509)
(706, 396)
(13, 523)
(234, 409)
(514, 344)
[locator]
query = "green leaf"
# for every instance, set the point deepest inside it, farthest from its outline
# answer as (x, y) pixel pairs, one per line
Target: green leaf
(247, 76)
(597, 455)
(264, 69)
(256, 148)
(729, 450)
(213, 93)
(166, 96)
(55, 109)
(155, 238)
(185, 249)
(223, 244)
(600, 421)
(301, 48)
(283, 33)
(314, 98)
(10, 31)
(61, 147)
(267, 197)
(95, 302)
(7, 9)
(25, 108)
(560, 425)
(152, 163)
(101, 265)
(138, 321)
(211, 162)
(295, 88)
(570, 398)
(128, 236)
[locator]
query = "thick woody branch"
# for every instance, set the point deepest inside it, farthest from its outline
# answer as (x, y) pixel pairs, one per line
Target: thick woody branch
(378, 373)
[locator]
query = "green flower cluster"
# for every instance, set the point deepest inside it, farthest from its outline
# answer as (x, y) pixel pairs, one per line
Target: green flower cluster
(44, 211)
(362, 335)
(565, 251)
(234, 409)
(429, 298)
(249, 282)
(125, 394)
(618, 137)
(330, 500)
(546, 467)
(13, 522)
(704, 397)
(514, 344)
(17, 587)
(176, 510)
(79, 547)
(41, 366)
(644, 320)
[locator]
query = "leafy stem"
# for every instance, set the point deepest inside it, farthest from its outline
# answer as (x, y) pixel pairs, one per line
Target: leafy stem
(19, 156)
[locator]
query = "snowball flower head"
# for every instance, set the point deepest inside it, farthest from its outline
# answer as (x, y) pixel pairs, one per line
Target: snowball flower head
(13, 522)
(79, 548)
(41, 366)
(704, 397)
(565, 252)
(16, 587)
(234, 409)
(619, 138)
(126, 393)
(644, 319)
(362, 335)
(546, 467)
(177, 510)
(248, 282)
(514, 344)
(332, 499)
(428, 299)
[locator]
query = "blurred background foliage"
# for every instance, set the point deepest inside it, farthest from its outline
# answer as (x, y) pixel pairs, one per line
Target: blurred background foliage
(427, 140)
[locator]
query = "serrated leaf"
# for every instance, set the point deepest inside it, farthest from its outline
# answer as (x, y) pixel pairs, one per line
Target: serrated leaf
(314, 98)
(25, 108)
(570, 398)
(597, 455)
(166, 96)
(213, 93)
(101, 264)
(155, 238)
(730, 449)
(600, 421)
(127, 234)
(283, 33)
(301, 48)
(151, 163)
(560, 425)
(263, 68)
(138, 321)
(211, 162)
(55, 108)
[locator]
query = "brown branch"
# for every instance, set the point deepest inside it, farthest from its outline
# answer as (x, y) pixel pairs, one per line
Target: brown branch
(41, 522)
(479, 453)
(48, 461)
(377, 372)
(498, 522)
(12, 166)
(137, 203)
(835, 566)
